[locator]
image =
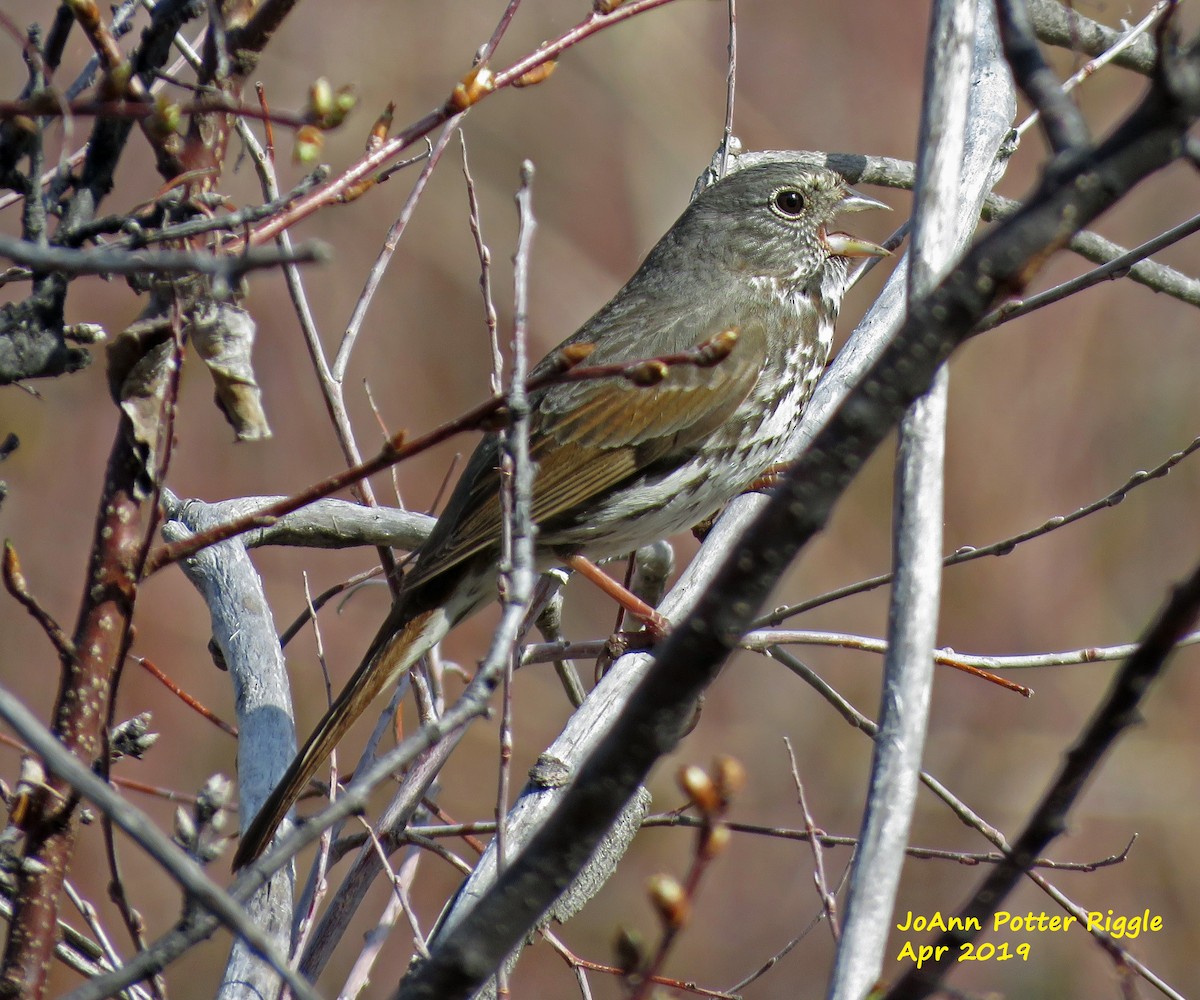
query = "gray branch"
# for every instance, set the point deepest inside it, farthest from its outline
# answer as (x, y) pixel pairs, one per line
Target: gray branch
(327, 524)
(1058, 24)
(886, 171)
(955, 170)
(101, 260)
(244, 630)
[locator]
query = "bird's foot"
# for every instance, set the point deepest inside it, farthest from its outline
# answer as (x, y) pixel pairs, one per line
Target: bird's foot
(766, 482)
(769, 479)
(620, 643)
(701, 529)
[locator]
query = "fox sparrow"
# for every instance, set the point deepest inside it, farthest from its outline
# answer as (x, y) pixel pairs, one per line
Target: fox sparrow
(751, 261)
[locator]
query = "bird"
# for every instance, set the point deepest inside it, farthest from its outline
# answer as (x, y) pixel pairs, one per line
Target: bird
(752, 265)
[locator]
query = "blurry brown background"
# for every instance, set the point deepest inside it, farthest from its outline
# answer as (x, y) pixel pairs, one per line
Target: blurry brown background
(1046, 414)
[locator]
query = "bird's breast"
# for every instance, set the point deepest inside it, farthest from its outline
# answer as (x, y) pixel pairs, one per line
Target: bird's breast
(674, 495)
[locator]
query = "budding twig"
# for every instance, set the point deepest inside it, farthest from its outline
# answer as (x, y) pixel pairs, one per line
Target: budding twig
(14, 581)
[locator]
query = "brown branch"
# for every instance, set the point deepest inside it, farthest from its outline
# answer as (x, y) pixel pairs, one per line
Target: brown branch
(969, 858)
(501, 28)
(87, 15)
(232, 46)
(710, 794)
(209, 901)
(120, 75)
(245, 41)
(578, 962)
(482, 85)
(134, 786)
(81, 715)
(43, 107)
(135, 926)
(828, 900)
(183, 696)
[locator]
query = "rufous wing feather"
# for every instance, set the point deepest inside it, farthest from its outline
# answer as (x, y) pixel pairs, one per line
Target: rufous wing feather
(588, 437)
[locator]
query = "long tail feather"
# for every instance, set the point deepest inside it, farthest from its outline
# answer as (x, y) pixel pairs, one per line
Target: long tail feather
(399, 644)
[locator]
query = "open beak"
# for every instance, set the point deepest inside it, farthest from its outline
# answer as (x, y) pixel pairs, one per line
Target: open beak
(854, 201)
(845, 245)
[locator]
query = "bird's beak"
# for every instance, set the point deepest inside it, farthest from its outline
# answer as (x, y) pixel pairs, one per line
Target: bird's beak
(854, 201)
(845, 245)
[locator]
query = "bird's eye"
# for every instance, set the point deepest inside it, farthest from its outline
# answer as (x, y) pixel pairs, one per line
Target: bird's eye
(790, 202)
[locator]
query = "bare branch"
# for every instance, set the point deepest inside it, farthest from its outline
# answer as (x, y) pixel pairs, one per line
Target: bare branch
(138, 826)
(953, 41)
(1119, 710)
(1062, 121)
(1063, 25)
(1005, 545)
(244, 631)
(227, 268)
(15, 583)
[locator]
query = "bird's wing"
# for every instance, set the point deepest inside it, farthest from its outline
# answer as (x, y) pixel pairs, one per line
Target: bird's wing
(587, 437)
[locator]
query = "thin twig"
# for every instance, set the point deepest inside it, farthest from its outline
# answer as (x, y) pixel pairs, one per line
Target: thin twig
(377, 936)
(968, 858)
(1119, 709)
(383, 258)
(18, 587)
(488, 49)
(828, 899)
(390, 149)
(1064, 125)
(766, 638)
(1118, 267)
(1002, 547)
(1127, 39)
(485, 267)
(516, 566)
(228, 268)
(92, 919)
(578, 963)
(331, 388)
(80, 953)
(730, 89)
(1063, 25)
(117, 892)
(143, 831)
(763, 640)
(960, 809)
(183, 696)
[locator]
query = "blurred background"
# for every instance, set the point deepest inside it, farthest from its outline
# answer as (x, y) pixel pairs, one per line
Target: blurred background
(1047, 414)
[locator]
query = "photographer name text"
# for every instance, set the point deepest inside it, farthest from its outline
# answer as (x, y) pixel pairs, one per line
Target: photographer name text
(1116, 925)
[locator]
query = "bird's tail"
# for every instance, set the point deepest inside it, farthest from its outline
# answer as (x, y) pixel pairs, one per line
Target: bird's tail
(404, 638)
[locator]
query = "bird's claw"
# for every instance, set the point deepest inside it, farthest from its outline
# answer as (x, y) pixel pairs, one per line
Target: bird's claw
(620, 643)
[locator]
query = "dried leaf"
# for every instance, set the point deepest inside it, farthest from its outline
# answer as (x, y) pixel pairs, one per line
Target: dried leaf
(140, 372)
(223, 334)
